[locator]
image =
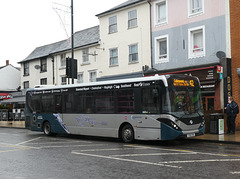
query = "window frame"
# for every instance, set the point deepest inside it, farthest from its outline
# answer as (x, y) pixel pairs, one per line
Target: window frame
(91, 78)
(132, 19)
(43, 81)
(80, 78)
(133, 53)
(113, 58)
(156, 12)
(85, 56)
(63, 80)
(63, 60)
(43, 64)
(25, 84)
(190, 8)
(191, 48)
(26, 69)
(112, 28)
(157, 49)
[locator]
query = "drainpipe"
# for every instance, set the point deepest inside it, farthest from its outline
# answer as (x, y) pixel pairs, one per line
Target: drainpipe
(150, 5)
(52, 57)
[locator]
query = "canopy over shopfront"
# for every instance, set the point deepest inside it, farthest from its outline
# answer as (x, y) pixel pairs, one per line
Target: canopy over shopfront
(16, 100)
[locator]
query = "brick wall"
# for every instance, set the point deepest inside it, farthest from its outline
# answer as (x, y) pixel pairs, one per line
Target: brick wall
(235, 51)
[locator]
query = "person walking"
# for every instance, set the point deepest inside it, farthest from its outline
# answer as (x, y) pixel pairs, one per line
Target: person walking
(232, 110)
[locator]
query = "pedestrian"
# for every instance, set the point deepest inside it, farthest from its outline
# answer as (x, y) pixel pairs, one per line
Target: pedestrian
(232, 110)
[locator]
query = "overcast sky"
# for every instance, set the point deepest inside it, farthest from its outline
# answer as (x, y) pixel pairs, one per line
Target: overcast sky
(27, 24)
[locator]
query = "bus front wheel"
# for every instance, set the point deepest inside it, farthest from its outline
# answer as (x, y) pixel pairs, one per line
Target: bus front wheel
(127, 134)
(47, 128)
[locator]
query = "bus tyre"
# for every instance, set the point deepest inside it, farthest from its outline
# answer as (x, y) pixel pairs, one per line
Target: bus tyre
(127, 134)
(47, 128)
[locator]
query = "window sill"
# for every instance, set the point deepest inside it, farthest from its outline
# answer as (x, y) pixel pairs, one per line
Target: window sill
(129, 28)
(131, 63)
(193, 56)
(164, 60)
(195, 14)
(85, 63)
(116, 65)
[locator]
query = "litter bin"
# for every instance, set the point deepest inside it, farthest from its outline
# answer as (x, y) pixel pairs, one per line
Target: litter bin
(216, 123)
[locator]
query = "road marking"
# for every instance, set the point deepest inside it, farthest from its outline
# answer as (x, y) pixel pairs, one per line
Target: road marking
(28, 141)
(66, 146)
(16, 148)
(154, 148)
(126, 160)
(112, 149)
(200, 161)
(237, 172)
(152, 154)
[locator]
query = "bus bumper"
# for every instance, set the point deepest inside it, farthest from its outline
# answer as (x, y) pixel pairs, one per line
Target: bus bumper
(168, 133)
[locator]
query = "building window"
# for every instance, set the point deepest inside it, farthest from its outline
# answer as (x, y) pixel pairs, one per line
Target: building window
(195, 7)
(161, 49)
(113, 57)
(133, 53)
(80, 78)
(26, 84)
(63, 80)
(92, 76)
(43, 81)
(132, 19)
(112, 24)
(85, 57)
(63, 60)
(160, 12)
(26, 69)
(43, 65)
(196, 37)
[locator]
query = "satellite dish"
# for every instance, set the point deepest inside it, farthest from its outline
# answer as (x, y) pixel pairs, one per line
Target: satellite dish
(220, 54)
(37, 67)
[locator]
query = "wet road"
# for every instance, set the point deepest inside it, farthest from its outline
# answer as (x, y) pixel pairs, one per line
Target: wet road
(31, 155)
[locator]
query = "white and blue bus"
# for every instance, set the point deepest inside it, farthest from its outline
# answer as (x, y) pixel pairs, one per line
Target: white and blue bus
(162, 107)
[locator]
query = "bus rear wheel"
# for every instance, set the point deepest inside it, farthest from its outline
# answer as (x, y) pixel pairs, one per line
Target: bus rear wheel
(47, 128)
(127, 134)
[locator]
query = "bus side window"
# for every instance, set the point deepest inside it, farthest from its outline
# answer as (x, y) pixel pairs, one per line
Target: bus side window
(34, 103)
(58, 104)
(47, 103)
(150, 100)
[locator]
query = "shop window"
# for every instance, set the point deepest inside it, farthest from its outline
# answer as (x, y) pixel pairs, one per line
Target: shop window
(208, 103)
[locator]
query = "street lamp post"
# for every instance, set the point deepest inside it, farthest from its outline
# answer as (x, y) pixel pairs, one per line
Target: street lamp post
(72, 41)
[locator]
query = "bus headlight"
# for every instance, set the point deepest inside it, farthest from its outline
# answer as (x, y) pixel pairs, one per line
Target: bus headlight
(169, 123)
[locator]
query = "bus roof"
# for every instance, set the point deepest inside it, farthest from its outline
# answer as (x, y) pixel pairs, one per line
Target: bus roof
(129, 80)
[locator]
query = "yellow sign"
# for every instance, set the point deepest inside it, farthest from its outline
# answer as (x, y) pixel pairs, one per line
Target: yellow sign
(178, 82)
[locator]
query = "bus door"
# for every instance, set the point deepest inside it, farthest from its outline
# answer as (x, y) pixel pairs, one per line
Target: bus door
(147, 123)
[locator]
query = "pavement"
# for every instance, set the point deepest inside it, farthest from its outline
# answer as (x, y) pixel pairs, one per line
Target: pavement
(220, 138)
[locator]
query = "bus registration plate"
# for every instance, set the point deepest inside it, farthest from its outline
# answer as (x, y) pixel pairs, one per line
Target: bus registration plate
(191, 135)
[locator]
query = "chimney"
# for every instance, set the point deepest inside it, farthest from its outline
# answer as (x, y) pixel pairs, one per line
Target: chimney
(7, 62)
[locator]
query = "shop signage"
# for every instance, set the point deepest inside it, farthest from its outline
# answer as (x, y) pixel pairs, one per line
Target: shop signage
(5, 96)
(203, 74)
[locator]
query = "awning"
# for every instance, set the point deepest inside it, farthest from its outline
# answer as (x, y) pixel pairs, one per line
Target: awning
(19, 100)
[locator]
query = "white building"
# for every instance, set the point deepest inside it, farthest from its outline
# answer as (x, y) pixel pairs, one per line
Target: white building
(10, 78)
(118, 48)
(46, 65)
(125, 35)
